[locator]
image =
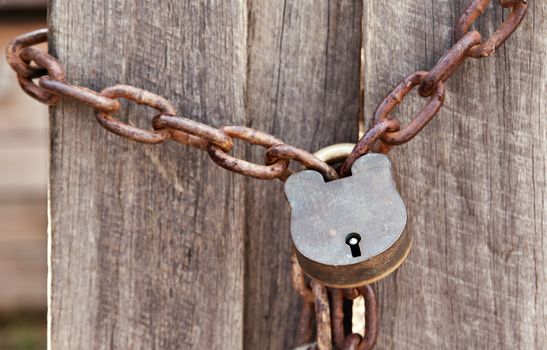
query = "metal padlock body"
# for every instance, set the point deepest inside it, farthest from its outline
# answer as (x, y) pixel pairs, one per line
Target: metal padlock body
(324, 214)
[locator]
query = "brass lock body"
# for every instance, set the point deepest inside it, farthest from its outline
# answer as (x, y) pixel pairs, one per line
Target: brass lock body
(348, 232)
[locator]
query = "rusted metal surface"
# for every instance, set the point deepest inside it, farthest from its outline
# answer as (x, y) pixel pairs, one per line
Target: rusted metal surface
(322, 316)
(42, 60)
(420, 120)
(31, 64)
(240, 166)
(206, 133)
(431, 83)
(371, 319)
(381, 136)
(128, 131)
(20, 54)
(352, 341)
(504, 31)
(446, 66)
(289, 152)
(332, 155)
(299, 280)
(14, 49)
(37, 92)
(337, 314)
(366, 205)
(366, 143)
(351, 293)
(80, 94)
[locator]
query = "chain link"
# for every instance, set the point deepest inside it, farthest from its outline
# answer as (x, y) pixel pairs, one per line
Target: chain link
(254, 137)
(504, 31)
(22, 68)
(431, 83)
(141, 97)
(78, 93)
(32, 64)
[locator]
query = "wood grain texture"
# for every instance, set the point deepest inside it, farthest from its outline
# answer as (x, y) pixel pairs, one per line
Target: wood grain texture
(474, 183)
(154, 247)
(303, 86)
(146, 241)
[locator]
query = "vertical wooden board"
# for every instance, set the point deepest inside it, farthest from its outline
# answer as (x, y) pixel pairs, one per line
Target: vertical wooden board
(146, 242)
(473, 181)
(303, 87)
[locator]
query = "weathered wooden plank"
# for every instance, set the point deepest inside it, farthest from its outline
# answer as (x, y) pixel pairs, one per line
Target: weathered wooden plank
(303, 86)
(146, 241)
(115, 240)
(473, 181)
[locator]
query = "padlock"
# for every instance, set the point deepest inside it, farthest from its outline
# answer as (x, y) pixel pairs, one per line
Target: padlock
(348, 232)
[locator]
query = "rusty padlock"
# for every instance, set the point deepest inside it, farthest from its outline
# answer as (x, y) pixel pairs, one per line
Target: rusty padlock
(348, 232)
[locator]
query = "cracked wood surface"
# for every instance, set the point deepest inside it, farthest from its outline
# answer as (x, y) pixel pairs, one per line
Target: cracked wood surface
(155, 247)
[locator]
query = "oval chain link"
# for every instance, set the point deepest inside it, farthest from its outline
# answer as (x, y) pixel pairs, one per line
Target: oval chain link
(22, 68)
(240, 166)
(420, 120)
(141, 97)
(48, 64)
(468, 44)
(504, 31)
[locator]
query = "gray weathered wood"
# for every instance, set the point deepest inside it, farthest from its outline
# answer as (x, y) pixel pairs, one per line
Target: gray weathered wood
(146, 241)
(303, 86)
(473, 182)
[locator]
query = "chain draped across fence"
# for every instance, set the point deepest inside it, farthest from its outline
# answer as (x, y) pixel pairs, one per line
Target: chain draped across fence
(42, 77)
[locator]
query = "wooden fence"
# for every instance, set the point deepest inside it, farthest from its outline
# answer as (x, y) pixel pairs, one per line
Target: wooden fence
(155, 247)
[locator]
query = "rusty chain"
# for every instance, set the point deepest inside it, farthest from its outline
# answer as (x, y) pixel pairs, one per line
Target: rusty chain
(41, 76)
(32, 64)
(383, 135)
(329, 313)
(385, 132)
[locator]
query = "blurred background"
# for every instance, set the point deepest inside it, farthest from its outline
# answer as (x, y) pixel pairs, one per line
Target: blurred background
(23, 194)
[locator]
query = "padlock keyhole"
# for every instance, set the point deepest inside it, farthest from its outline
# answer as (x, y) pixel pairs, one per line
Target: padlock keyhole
(353, 240)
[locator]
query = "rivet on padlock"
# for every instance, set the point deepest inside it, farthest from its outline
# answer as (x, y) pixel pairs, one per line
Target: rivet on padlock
(348, 232)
